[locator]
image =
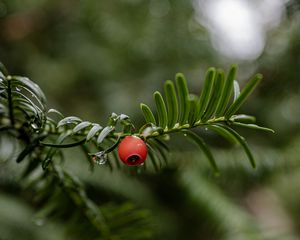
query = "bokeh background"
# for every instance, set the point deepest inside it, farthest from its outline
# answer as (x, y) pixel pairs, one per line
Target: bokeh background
(95, 57)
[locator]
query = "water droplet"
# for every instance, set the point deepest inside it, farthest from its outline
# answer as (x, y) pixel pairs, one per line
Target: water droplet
(185, 134)
(18, 89)
(100, 158)
(206, 129)
(101, 161)
(34, 126)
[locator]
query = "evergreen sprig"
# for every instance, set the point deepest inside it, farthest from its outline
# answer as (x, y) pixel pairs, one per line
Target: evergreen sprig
(25, 116)
(212, 109)
(23, 109)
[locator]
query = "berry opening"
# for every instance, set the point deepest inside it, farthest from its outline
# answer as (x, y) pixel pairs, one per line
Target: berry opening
(133, 159)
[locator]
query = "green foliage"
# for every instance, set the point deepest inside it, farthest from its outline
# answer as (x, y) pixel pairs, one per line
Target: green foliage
(148, 115)
(226, 92)
(172, 103)
(206, 92)
(183, 94)
(209, 110)
(200, 142)
(161, 110)
(24, 104)
(217, 91)
(45, 133)
(243, 95)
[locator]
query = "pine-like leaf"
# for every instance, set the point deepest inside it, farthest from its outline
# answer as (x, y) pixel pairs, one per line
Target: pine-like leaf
(81, 126)
(183, 94)
(153, 158)
(244, 95)
(236, 90)
(25, 106)
(172, 103)
(226, 93)
(193, 114)
(253, 126)
(162, 144)
(147, 113)
(26, 83)
(69, 120)
(93, 131)
(162, 114)
(24, 92)
(223, 133)
(50, 124)
(52, 110)
(104, 133)
(159, 149)
(243, 118)
(206, 92)
(243, 143)
(17, 96)
(116, 158)
(200, 142)
(217, 91)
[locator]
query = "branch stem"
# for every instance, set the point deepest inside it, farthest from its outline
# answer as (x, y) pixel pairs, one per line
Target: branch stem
(175, 129)
(186, 126)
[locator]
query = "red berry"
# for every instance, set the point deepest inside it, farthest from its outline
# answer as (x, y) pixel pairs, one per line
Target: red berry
(132, 151)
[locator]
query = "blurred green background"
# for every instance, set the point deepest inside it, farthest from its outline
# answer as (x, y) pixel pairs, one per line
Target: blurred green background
(95, 57)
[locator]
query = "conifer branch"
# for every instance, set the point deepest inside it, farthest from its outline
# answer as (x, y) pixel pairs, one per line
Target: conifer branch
(24, 115)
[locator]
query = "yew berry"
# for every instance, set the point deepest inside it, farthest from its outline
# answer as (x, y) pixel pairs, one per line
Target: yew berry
(132, 151)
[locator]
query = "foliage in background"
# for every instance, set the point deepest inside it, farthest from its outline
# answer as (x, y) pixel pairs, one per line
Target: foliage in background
(123, 54)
